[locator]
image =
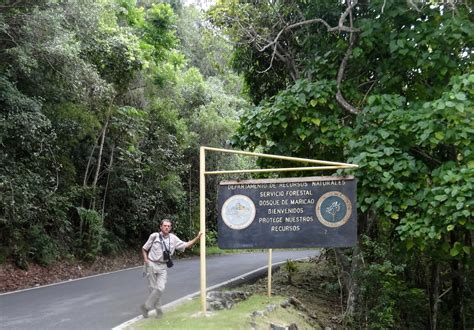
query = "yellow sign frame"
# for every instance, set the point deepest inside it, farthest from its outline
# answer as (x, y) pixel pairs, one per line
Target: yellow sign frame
(325, 165)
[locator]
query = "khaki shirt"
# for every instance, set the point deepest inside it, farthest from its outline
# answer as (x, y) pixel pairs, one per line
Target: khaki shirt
(156, 244)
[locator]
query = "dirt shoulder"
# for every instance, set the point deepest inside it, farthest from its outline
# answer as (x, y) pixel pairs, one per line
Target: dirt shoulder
(12, 278)
(312, 284)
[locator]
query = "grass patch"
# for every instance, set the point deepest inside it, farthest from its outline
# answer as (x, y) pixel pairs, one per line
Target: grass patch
(187, 316)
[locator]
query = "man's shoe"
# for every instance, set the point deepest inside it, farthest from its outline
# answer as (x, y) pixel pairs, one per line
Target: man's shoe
(144, 311)
(159, 313)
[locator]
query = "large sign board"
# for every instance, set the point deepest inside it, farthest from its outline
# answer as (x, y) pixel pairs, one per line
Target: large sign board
(288, 213)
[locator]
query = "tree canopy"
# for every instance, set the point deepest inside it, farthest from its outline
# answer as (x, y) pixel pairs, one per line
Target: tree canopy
(103, 109)
(387, 86)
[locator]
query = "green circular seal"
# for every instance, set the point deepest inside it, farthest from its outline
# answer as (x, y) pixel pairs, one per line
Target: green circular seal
(238, 212)
(333, 209)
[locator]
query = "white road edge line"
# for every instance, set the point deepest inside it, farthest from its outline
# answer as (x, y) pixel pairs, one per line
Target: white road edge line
(179, 301)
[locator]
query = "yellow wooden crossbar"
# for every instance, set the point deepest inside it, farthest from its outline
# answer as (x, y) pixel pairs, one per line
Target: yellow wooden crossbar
(295, 159)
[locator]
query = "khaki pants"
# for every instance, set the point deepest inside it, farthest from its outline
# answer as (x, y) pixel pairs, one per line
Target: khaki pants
(157, 276)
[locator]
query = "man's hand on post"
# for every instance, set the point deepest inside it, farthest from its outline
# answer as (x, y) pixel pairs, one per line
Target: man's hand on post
(194, 240)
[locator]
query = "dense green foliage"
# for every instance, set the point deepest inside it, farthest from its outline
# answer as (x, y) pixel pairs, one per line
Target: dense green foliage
(404, 71)
(103, 110)
(103, 105)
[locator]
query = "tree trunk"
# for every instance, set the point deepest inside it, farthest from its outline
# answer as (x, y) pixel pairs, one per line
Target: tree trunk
(352, 304)
(353, 290)
(458, 290)
(86, 177)
(86, 174)
(434, 295)
(344, 266)
(99, 161)
(108, 177)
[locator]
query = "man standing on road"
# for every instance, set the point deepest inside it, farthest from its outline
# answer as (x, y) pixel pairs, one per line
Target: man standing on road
(157, 253)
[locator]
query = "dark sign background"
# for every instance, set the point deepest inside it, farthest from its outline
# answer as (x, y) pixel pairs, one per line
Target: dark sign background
(286, 213)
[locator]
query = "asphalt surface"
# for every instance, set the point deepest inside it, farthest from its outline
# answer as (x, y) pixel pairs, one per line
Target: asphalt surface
(105, 301)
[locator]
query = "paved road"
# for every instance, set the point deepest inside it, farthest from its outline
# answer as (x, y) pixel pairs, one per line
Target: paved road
(105, 301)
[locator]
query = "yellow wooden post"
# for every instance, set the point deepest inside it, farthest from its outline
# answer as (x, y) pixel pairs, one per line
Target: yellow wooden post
(269, 272)
(202, 221)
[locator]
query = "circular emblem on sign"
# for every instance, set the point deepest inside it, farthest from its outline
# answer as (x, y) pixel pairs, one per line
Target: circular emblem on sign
(333, 209)
(238, 212)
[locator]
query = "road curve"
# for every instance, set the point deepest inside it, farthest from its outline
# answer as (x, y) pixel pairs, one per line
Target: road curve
(104, 301)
